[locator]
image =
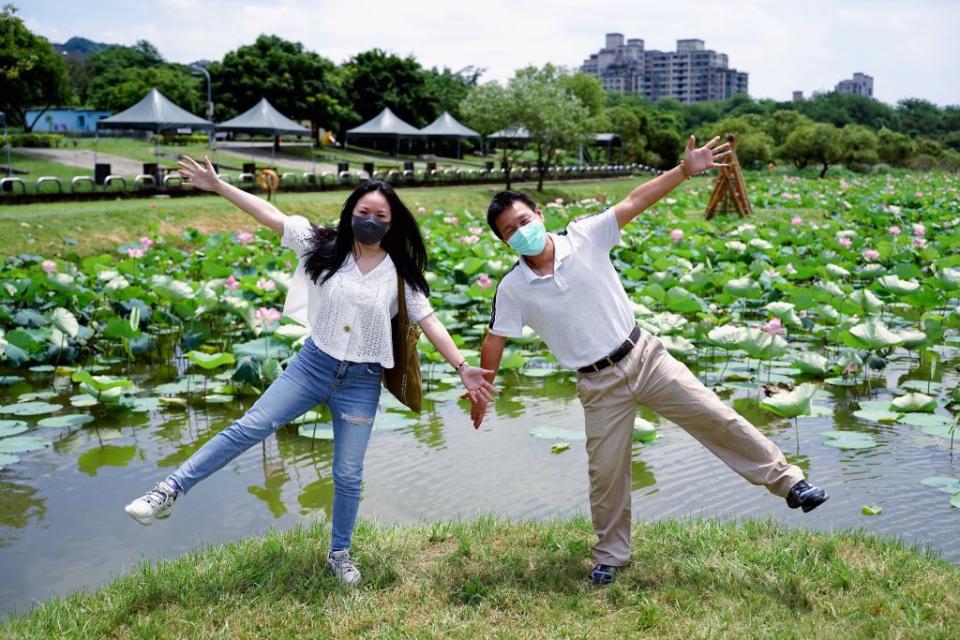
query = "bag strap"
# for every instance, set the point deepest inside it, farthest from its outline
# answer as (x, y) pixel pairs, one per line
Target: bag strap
(402, 317)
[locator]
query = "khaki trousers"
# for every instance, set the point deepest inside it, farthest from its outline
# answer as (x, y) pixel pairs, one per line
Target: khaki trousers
(649, 375)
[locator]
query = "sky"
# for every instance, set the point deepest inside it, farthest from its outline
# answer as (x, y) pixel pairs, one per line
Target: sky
(912, 49)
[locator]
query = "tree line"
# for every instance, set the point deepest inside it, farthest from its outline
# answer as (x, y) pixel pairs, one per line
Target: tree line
(557, 107)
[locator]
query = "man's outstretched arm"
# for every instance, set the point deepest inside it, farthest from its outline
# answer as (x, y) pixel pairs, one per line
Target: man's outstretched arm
(694, 160)
(490, 355)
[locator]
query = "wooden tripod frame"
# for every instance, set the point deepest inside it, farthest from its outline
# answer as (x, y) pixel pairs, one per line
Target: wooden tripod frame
(730, 187)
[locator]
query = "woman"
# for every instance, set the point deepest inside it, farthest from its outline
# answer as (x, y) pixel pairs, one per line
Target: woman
(347, 303)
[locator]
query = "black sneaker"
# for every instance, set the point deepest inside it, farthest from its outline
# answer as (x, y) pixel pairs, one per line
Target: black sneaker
(603, 574)
(806, 496)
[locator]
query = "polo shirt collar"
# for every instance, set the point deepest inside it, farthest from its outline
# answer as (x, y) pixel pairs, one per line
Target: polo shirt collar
(561, 249)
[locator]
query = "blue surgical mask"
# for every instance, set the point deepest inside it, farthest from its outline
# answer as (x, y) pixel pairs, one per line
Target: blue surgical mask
(530, 239)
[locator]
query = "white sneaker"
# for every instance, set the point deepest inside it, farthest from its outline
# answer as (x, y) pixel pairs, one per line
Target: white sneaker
(155, 504)
(343, 568)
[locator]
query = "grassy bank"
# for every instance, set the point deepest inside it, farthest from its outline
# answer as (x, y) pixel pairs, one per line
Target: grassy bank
(487, 578)
(102, 225)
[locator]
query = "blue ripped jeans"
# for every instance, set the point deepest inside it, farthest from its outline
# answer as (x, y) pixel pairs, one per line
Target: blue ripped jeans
(352, 392)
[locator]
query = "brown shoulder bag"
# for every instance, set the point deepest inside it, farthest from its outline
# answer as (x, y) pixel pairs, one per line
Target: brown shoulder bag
(403, 380)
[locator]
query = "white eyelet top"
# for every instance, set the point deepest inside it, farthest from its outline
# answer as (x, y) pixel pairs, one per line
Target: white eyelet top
(349, 314)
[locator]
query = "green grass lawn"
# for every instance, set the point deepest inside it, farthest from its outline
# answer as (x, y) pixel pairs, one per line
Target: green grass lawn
(36, 168)
(488, 578)
(101, 225)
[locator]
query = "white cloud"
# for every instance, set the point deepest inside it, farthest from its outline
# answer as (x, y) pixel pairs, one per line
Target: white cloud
(910, 48)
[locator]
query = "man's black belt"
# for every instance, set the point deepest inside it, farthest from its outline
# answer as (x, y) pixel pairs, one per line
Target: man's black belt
(616, 356)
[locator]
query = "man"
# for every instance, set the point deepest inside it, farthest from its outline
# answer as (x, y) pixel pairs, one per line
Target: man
(566, 289)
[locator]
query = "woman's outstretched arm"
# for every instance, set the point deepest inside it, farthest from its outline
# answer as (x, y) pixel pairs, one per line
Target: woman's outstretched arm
(474, 379)
(205, 177)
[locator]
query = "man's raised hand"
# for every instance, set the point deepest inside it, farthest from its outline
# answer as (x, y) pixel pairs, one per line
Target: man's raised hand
(704, 158)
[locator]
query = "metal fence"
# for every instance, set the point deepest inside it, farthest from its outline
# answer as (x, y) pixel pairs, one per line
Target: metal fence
(50, 188)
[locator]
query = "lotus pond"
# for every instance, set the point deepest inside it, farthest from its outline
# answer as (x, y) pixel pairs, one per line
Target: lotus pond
(830, 319)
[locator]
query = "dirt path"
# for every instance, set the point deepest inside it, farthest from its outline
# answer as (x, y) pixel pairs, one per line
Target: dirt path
(262, 157)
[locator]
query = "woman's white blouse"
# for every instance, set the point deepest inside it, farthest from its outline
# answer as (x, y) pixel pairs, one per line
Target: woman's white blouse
(349, 314)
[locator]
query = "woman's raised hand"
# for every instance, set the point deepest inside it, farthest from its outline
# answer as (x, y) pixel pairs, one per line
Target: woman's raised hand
(202, 176)
(478, 388)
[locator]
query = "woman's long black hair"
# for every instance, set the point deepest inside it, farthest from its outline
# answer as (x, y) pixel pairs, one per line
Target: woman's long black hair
(403, 242)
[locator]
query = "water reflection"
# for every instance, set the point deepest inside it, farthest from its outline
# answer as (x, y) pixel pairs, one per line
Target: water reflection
(19, 505)
(436, 466)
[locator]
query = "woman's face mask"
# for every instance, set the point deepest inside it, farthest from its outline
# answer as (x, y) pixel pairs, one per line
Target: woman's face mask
(530, 239)
(369, 229)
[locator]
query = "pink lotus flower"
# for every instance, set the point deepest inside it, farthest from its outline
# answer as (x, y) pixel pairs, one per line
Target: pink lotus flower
(267, 317)
(153, 205)
(244, 238)
(871, 254)
(919, 230)
(49, 266)
(919, 243)
(421, 209)
(559, 201)
(484, 281)
(450, 219)
(796, 221)
(676, 236)
(476, 230)
(146, 242)
(774, 327)
(844, 242)
(232, 283)
(919, 194)
(265, 284)
(790, 269)
(895, 230)
(469, 239)
(137, 252)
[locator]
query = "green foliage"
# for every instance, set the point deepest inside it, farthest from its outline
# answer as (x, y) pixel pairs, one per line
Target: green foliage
(299, 83)
(32, 74)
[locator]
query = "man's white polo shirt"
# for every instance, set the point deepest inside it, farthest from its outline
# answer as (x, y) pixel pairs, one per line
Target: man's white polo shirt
(580, 310)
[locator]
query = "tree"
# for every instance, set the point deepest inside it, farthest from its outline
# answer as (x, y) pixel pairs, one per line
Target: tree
(488, 108)
(858, 146)
(299, 83)
(663, 132)
(537, 100)
(626, 123)
(920, 118)
(375, 79)
(120, 76)
(587, 89)
(841, 109)
(552, 116)
(893, 148)
(813, 144)
(754, 145)
(32, 73)
(446, 89)
(782, 123)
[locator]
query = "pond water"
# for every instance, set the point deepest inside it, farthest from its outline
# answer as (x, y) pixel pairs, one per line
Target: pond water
(62, 524)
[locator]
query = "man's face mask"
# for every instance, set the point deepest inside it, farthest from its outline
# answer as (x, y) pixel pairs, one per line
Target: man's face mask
(369, 229)
(530, 239)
